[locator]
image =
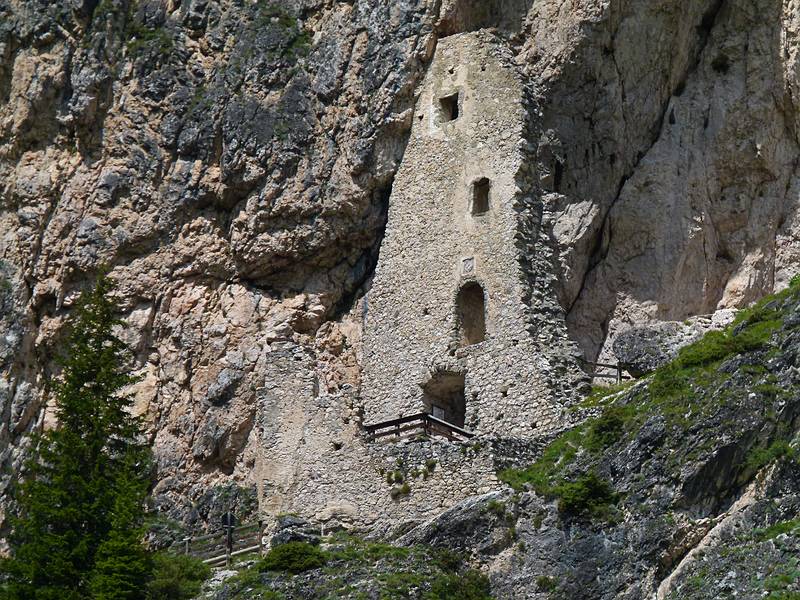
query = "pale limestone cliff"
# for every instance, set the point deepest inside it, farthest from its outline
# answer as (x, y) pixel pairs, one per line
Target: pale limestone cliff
(232, 162)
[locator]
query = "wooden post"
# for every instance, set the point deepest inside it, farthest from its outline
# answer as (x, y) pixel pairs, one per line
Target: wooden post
(228, 537)
(261, 537)
(228, 546)
(187, 542)
(619, 373)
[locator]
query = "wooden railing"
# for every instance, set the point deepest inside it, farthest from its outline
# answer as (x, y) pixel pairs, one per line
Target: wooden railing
(617, 371)
(219, 547)
(416, 424)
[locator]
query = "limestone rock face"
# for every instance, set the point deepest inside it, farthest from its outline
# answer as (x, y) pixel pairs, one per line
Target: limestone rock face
(232, 161)
(641, 350)
(684, 182)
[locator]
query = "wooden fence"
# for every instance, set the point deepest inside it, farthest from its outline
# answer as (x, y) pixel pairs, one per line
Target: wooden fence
(416, 424)
(219, 547)
(607, 371)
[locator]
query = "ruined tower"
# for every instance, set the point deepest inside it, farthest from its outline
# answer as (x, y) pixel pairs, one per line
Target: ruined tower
(447, 327)
(460, 320)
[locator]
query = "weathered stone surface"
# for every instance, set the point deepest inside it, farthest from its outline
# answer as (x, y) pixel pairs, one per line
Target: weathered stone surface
(694, 206)
(641, 350)
(447, 325)
(232, 162)
(294, 529)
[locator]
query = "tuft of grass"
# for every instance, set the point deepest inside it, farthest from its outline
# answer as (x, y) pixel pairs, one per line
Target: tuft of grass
(399, 491)
(144, 38)
(496, 508)
(600, 394)
(470, 585)
(773, 531)
(541, 475)
(448, 560)
(546, 584)
(758, 457)
(606, 430)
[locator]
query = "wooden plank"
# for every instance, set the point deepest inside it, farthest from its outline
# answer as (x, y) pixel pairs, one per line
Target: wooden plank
(395, 422)
(206, 544)
(221, 559)
(451, 427)
(397, 430)
(610, 376)
(208, 536)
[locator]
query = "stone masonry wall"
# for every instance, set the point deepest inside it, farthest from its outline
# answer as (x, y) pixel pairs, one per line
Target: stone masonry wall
(315, 462)
(433, 246)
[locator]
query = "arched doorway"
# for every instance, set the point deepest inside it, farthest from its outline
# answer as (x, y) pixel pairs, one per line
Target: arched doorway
(444, 398)
(471, 314)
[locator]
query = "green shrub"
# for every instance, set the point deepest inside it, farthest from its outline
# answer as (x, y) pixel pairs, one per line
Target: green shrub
(760, 457)
(715, 345)
(399, 491)
(470, 585)
(546, 584)
(448, 560)
(496, 508)
(586, 495)
(176, 577)
(293, 557)
(601, 394)
(607, 429)
(540, 475)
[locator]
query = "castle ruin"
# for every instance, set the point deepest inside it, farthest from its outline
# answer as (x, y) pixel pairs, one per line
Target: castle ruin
(454, 323)
(446, 323)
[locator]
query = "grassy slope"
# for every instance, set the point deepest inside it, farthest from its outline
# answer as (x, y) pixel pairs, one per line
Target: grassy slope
(356, 569)
(680, 392)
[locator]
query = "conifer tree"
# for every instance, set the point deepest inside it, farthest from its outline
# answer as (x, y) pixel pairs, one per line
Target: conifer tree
(77, 531)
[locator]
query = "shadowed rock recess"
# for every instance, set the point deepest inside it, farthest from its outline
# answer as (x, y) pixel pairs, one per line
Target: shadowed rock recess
(321, 214)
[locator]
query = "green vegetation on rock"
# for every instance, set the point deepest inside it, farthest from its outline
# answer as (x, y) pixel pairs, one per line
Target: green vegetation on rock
(294, 558)
(176, 577)
(692, 388)
(351, 567)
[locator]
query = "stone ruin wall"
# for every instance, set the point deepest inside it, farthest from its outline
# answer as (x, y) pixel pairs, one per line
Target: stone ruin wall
(313, 459)
(434, 246)
(315, 462)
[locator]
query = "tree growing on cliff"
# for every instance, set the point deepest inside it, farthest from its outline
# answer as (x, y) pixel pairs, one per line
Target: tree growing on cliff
(77, 531)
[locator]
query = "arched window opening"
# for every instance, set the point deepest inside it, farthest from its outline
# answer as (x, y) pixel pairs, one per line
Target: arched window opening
(471, 309)
(448, 108)
(444, 398)
(480, 196)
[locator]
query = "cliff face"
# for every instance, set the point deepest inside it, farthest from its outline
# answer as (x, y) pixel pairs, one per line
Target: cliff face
(232, 161)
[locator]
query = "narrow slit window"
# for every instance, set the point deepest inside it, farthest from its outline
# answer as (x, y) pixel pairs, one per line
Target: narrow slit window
(448, 108)
(480, 196)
